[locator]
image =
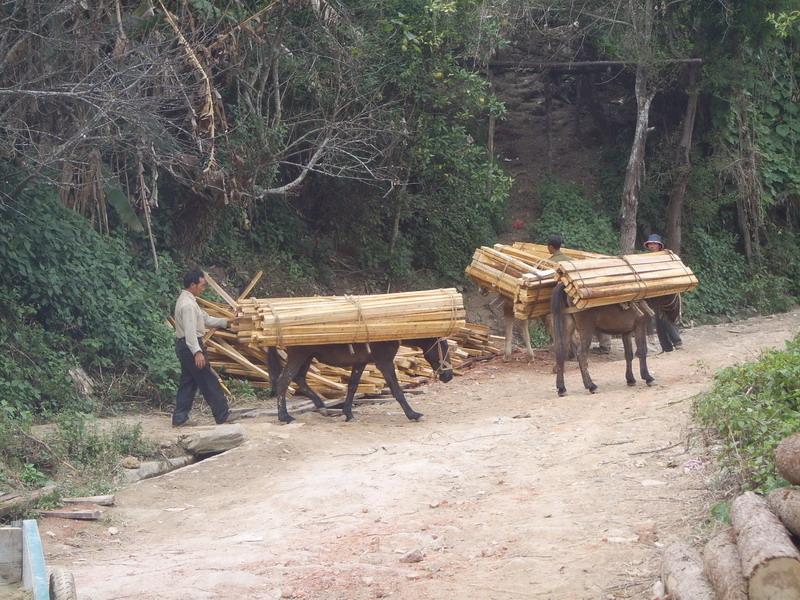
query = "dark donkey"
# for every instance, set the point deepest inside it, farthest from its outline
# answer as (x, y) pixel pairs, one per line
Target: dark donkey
(612, 319)
(356, 356)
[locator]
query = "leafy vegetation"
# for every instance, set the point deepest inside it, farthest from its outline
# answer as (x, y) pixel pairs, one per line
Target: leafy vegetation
(566, 211)
(751, 408)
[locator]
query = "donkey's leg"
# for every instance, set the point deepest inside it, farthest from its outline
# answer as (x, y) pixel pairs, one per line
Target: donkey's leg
(628, 345)
(641, 351)
(274, 368)
(561, 346)
(293, 365)
(526, 335)
(583, 358)
(509, 323)
(352, 386)
(304, 388)
(390, 375)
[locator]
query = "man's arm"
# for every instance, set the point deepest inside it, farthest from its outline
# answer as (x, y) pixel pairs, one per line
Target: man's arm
(214, 321)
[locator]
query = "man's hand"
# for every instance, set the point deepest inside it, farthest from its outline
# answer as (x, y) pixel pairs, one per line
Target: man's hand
(200, 360)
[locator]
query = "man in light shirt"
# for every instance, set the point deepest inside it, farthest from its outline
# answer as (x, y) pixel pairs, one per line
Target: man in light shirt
(190, 327)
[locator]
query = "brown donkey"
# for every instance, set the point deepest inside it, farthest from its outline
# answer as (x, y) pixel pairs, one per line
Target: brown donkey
(612, 319)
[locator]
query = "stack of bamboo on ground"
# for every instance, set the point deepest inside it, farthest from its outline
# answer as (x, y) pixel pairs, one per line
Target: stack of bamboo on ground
(594, 282)
(523, 278)
(349, 319)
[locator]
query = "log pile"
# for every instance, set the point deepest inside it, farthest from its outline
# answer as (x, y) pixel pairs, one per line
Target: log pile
(756, 558)
(611, 280)
(349, 319)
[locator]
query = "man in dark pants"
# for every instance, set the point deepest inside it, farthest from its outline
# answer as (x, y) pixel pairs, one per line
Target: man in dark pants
(190, 326)
(668, 336)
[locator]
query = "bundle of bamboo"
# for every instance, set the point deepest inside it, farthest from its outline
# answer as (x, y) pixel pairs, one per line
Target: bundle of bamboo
(524, 279)
(349, 319)
(541, 251)
(611, 280)
(233, 356)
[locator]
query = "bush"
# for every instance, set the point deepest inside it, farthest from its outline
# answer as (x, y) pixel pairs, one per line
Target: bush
(34, 364)
(566, 211)
(752, 407)
(89, 289)
(727, 283)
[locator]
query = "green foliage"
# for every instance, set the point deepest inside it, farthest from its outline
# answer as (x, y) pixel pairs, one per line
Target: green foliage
(782, 255)
(539, 336)
(752, 407)
(88, 289)
(31, 476)
(727, 283)
(34, 364)
(566, 211)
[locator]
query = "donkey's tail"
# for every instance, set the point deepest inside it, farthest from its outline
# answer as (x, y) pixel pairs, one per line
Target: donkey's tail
(558, 301)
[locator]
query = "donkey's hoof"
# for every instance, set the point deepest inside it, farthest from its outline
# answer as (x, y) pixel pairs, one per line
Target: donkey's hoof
(650, 381)
(286, 419)
(562, 391)
(349, 418)
(414, 416)
(631, 382)
(592, 389)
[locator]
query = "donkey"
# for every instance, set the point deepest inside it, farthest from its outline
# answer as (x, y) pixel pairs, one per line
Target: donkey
(612, 319)
(356, 356)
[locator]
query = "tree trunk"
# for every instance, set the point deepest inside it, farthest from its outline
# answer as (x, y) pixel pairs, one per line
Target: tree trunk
(682, 573)
(548, 108)
(785, 503)
(770, 562)
(787, 458)
(723, 567)
(634, 173)
(683, 167)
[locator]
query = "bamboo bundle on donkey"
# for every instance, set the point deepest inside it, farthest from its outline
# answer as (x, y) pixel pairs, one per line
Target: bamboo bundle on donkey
(233, 357)
(349, 319)
(525, 280)
(541, 251)
(612, 280)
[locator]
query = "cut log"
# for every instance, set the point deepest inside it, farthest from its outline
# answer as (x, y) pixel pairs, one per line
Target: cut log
(785, 503)
(107, 500)
(770, 562)
(156, 467)
(12, 502)
(682, 573)
(214, 439)
(787, 459)
(723, 566)
(80, 515)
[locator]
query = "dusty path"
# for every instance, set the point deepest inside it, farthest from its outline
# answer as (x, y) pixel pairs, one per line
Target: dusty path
(508, 490)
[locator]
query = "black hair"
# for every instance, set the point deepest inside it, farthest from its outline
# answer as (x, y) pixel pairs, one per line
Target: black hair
(193, 276)
(554, 241)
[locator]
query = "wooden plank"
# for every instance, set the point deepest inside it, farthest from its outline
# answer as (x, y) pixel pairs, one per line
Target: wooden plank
(221, 292)
(253, 282)
(106, 500)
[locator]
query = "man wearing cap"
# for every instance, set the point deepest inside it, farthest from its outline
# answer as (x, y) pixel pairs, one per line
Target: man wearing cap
(668, 335)
(190, 327)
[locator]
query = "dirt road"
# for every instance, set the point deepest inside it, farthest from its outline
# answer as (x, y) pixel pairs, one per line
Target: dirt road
(503, 491)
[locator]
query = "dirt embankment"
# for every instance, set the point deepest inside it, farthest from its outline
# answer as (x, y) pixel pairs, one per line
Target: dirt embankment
(503, 491)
